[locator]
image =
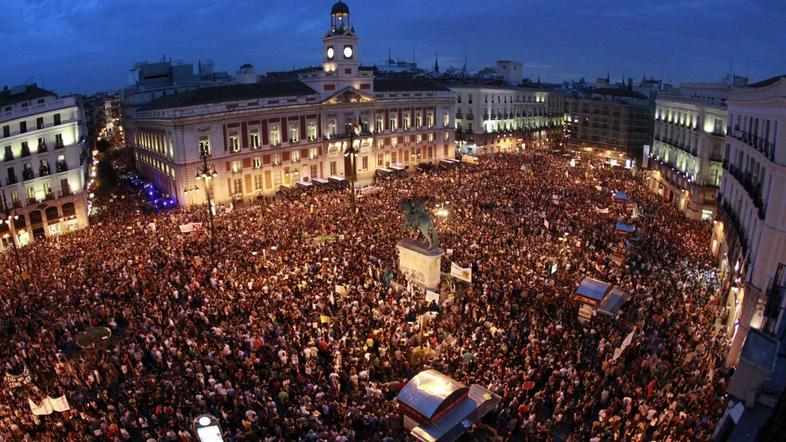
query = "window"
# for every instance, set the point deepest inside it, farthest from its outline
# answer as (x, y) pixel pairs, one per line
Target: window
(253, 138)
(446, 136)
(364, 162)
(458, 98)
(312, 130)
(380, 124)
(22, 127)
(394, 141)
(295, 156)
(258, 182)
(393, 122)
(418, 120)
(294, 132)
(332, 168)
(257, 163)
(469, 99)
(6, 131)
(446, 120)
(405, 121)
(204, 145)
(313, 153)
(276, 160)
(237, 166)
(39, 123)
(234, 142)
(238, 186)
(380, 160)
(380, 143)
(430, 137)
(332, 127)
(419, 138)
(57, 119)
(313, 171)
(25, 149)
(275, 134)
(58, 141)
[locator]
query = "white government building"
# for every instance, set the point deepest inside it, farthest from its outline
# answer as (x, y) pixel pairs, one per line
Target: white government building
(750, 234)
(262, 136)
(44, 158)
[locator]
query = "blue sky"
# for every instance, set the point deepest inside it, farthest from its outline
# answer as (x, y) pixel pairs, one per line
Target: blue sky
(89, 45)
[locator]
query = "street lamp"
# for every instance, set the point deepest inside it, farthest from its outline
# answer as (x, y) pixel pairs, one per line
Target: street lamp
(207, 428)
(9, 220)
(350, 158)
(207, 173)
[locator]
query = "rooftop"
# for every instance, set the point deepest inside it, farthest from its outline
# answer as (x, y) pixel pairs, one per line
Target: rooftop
(407, 84)
(19, 94)
(767, 82)
(222, 94)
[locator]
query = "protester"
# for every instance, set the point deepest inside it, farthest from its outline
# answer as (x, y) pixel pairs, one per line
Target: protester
(290, 331)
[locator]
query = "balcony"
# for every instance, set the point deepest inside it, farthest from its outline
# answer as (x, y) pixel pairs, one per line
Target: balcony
(31, 200)
(28, 174)
(9, 156)
(752, 187)
(61, 166)
(49, 196)
(730, 218)
(42, 148)
(16, 204)
(11, 180)
(64, 193)
(59, 144)
(44, 170)
(25, 151)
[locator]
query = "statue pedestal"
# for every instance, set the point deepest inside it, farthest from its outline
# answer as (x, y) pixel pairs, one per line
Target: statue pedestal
(419, 264)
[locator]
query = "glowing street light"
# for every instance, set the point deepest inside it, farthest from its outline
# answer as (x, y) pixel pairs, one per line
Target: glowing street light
(207, 428)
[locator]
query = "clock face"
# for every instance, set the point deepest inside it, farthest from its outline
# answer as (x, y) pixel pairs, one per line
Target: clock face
(330, 53)
(348, 52)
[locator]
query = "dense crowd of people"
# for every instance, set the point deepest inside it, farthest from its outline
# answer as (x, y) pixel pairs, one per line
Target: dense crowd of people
(254, 331)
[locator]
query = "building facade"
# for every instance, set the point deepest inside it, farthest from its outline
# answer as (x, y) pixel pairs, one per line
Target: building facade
(262, 136)
(492, 116)
(45, 156)
(687, 149)
(618, 120)
(750, 235)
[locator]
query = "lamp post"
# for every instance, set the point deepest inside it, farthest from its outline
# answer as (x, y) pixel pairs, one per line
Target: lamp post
(207, 428)
(350, 158)
(8, 219)
(207, 173)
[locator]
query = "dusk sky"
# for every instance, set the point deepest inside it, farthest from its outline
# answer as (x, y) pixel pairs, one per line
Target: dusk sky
(89, 45)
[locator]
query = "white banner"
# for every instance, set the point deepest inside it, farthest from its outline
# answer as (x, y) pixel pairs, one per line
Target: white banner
(623, 346)
(431, 296)
(461, 273)
(49, 405)
(190, 227)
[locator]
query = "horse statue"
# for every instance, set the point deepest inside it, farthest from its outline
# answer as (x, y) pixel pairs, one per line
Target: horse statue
(420, 221)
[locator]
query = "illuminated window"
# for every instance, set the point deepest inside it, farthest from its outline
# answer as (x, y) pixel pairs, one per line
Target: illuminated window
(275, 134)
(237, 166)
(380, 124)
(430, 119)
(332, 168)
(312, 130)
(393, 122)
(313, 153)
(294, 133)
(405, 121)
(234, 142)
(332, 127)
(258, 182)
(253, 138)
(364, 162)
(257, 163)
(295, 156)
(446, 120)
(418, 120)
(380, 160)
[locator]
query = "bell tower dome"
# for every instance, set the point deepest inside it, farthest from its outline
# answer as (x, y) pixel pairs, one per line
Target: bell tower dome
(339, 17)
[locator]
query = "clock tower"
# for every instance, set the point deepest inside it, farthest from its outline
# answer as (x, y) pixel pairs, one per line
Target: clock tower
(340, 62)
(340, 44)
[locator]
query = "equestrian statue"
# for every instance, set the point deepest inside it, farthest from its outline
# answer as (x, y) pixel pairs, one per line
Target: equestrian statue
(418, 219)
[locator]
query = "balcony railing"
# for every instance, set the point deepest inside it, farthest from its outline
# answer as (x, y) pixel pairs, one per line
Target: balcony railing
(8, 156)
(61, 166)
(42, 148)
(16, 204)
(65, 192)
(730, 217)
(751, 186)
(11, 180)
(28, 174)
